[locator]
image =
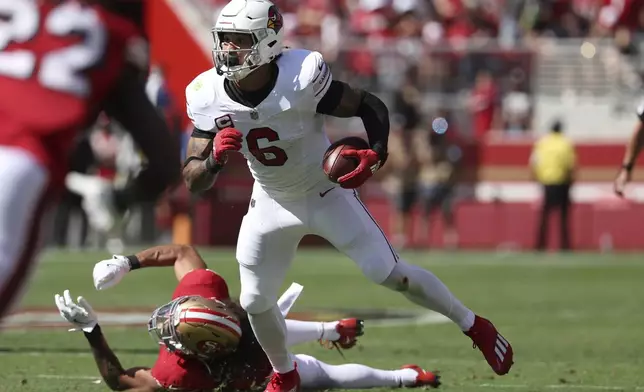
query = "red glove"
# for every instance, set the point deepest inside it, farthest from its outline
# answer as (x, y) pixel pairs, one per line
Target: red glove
(228, 139)
(369, 164)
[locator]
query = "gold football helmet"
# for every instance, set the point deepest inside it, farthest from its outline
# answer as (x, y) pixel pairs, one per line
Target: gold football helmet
(196, 326)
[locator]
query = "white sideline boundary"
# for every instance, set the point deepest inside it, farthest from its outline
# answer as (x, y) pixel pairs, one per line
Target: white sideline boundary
(70, 377)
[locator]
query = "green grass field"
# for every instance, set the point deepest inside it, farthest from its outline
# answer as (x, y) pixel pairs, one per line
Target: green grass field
(575, 321)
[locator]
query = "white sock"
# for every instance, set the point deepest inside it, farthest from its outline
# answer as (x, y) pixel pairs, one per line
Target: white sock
(315, 374)
(309, 331)
(329, 331)
(270, 329)
(426, 290)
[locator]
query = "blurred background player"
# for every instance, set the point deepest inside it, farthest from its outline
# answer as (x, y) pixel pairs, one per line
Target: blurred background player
(107, 154)
(553, 165)
(439, 160)
(421, 169)
(53, 84)
(403, 165)
(205, 340)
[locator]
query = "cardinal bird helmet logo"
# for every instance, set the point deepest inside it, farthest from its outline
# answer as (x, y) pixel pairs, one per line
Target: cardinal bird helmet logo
(275, 21)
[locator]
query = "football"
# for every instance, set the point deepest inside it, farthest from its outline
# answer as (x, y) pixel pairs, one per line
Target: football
(334, 164)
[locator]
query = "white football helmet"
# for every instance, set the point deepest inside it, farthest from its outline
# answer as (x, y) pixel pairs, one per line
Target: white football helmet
(263, 21)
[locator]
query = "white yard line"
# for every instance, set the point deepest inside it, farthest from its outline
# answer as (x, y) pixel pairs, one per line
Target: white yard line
(52, 319)
(67, 377)
(40, 354)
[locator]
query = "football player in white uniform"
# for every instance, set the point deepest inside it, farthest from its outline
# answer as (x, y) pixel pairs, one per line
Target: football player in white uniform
(268, 103)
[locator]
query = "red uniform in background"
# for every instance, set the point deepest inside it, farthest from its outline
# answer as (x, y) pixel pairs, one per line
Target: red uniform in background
(60, 64)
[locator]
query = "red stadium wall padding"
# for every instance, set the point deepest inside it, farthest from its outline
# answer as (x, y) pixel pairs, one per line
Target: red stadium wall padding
(173, 48)
(513, 226)
(518, 153)
(480, 225)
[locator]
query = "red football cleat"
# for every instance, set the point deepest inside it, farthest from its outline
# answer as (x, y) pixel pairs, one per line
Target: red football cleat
(286, 382)
(425, 378)
(349, 330)
(495, 348)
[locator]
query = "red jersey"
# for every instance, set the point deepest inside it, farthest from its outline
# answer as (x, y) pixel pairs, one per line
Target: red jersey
(246, 368)
(58, 64)
(170, 369)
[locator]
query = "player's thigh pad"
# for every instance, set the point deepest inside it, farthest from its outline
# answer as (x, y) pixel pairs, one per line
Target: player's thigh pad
(266, 246)
(270, 232)
(24, 183)
(343, 220)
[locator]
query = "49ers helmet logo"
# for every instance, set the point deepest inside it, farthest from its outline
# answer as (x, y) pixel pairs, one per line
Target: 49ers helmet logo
(275, 21)
(209, 347)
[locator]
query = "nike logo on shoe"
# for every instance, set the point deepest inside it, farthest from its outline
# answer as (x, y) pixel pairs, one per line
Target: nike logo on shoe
(322, 194)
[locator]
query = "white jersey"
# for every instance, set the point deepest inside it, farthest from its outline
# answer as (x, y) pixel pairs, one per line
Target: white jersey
(284, 139)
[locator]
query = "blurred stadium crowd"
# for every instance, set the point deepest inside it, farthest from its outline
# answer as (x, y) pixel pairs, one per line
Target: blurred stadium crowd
(481, 50)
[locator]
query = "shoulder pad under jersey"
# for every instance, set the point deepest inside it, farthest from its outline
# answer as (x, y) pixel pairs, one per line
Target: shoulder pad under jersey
(317, 74)
(201, 95)
(312, 74)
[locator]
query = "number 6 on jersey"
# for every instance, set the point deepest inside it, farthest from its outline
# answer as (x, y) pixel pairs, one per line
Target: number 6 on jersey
(268, 156)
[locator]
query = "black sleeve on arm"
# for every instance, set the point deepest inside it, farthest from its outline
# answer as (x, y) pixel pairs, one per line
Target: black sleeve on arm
(199, 134)
(375, 117)
(331, 100)
(342, 100)
(130, 106)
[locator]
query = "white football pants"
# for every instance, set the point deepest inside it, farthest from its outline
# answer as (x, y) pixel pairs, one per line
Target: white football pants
(269, 236)
(23, 186)
(315, 374)
(271, 231)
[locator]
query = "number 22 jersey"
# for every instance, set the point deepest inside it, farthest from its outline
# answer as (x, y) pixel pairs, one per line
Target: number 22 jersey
(58, 64)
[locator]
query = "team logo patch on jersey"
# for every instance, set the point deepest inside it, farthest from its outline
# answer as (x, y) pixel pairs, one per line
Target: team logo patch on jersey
(197, 85)
(275, 21)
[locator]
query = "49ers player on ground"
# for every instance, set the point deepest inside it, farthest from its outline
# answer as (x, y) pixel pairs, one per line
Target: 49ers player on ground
(206, 341)
(269, 104)
(61, 63)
